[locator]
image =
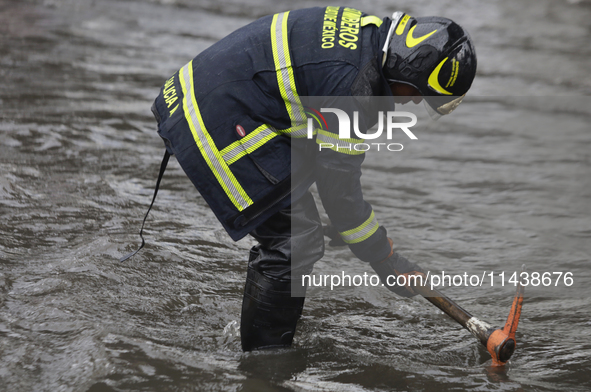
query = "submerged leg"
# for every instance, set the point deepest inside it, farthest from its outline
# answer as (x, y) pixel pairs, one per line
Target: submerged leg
(290, 242)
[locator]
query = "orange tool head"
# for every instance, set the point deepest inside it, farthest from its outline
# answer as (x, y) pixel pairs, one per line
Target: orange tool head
(501, 343)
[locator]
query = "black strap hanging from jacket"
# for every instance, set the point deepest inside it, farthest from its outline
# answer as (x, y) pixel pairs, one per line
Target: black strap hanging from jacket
(162, 169)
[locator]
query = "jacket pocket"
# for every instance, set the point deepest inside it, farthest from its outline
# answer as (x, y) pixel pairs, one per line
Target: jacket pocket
(259, 145)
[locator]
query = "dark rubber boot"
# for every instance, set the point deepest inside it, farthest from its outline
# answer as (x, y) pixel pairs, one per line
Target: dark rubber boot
(269, 313)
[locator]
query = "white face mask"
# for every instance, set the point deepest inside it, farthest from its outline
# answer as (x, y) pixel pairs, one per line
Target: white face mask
(444, 109)
(450, 106)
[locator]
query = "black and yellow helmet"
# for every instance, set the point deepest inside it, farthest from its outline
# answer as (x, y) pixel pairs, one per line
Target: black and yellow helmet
(433, 54)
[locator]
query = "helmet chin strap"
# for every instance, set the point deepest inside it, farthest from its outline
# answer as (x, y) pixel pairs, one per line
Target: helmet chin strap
(396, 16)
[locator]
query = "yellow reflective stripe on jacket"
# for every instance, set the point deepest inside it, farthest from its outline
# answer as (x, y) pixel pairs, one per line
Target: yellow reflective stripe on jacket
(284, 70)
(248, 144)
(371, 19)
(344, 146)
(298, 131)
(361, 232)
(206, 145)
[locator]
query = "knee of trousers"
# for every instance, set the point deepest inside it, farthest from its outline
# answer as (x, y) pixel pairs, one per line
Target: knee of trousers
(296, 254)
(269, 313)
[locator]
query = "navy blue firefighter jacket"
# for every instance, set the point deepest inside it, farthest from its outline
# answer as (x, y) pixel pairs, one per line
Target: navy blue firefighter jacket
(234, 119)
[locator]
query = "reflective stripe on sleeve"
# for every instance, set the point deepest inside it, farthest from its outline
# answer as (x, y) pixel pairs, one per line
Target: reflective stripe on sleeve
(206, 145)
(284, 70)
(344, 146)
(361, 232)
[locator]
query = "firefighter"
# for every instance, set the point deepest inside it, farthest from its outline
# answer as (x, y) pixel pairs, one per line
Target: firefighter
(234, 119)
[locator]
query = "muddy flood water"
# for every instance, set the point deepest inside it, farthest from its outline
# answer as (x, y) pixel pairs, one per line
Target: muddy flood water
(504, 181)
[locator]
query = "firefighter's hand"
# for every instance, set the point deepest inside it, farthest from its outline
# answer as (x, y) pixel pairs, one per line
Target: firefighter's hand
(390, 271)
(333, 234)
